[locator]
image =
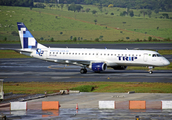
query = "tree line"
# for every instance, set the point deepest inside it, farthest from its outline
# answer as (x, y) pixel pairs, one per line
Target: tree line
(158, 5)
(161, 5)
(22, 3)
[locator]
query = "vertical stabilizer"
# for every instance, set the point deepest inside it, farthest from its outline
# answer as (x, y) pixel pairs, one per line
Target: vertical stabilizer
(26, 38)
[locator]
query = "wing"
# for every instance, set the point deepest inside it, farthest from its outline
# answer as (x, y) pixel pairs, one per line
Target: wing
(73, 62)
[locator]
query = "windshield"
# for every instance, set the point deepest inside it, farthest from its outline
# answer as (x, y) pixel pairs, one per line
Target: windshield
(156, 55)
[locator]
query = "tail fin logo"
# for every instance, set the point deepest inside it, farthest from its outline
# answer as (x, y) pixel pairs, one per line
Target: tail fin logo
(39, 52)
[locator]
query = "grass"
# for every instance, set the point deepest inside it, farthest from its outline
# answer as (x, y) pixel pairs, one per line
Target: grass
(11, 54)
(84, 88)
(62, 24)
(119, 87)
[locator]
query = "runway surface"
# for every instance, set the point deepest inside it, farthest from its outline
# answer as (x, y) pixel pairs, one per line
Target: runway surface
(152, 46)
(31, 69)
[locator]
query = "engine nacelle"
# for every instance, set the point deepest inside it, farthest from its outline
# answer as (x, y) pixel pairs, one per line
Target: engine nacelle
(97, 67)
(119, 67)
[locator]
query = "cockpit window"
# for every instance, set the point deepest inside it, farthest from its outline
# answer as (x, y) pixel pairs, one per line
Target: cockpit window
(153, 55)
(156, 55)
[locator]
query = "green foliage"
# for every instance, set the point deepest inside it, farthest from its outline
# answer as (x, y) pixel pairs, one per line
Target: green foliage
(24, 3)
(74, 39)
(112, 14)
(14, 33)
(150, 38)
(131, 13)
(149, 12)
(97, 39)
(127, 38)
(5, 38)
(46, 25)
(165, 15)
(87, 10)
(52, 39)
(74, 7)
(61, 5)
(39, 5)
(95, 21)
(84, 88)
(94, 11)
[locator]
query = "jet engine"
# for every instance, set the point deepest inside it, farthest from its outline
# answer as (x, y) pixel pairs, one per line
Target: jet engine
(119, 67)
(97, 67)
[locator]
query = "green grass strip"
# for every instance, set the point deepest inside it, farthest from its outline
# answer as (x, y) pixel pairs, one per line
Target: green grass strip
(118, 87)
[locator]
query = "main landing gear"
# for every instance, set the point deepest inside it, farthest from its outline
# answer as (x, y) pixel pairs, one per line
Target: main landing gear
(150, 69)
(83, 70)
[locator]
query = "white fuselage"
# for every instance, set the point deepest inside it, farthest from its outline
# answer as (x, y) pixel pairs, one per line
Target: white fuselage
(112, 57)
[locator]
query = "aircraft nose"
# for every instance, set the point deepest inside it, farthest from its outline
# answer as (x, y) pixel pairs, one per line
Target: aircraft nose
(166, 62)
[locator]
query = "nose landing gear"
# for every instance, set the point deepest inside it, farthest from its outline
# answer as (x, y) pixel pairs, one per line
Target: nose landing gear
(150, 69)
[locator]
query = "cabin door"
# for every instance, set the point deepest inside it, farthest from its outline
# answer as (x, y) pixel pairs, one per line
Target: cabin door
(145, 57)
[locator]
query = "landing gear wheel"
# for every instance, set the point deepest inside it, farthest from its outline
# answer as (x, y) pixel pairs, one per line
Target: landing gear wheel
(150, 69)
(83, 71)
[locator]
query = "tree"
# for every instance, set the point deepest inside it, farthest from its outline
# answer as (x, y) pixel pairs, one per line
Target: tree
(61, 5)
(100, 7)
(124, 13)
(87, 10)
(165, 15)
(78, 7)
(149, 12)
(131, 13)
(52, 39)
(74, 39)
(112, 13)
(94, 12)
(110, 5)
(143, 12)
(95, 21)
(74, 7)
(156, 11)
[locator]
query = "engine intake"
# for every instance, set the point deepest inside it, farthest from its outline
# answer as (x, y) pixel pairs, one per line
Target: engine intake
(97, 67)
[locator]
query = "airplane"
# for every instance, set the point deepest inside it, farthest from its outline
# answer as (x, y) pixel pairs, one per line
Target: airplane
(95, 59)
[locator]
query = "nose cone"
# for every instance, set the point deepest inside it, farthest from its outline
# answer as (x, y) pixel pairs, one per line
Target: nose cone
(166, 62)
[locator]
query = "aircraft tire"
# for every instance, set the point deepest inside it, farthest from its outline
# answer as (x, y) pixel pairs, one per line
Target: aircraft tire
(83, 71)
